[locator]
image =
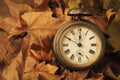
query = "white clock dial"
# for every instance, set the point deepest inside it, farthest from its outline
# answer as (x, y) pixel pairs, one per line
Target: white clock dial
(80, 45)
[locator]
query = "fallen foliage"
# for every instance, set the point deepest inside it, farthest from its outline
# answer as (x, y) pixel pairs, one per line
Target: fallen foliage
(40, 20)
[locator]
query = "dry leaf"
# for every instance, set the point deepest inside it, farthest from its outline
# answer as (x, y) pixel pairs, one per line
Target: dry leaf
(4, 10)
(74, 3)
(109, 13)
(31, 76)
(47, 72)
(114, 4)
(10, 74)
(14, 70)
(52, 69)
(47, 68)
(38, 1)
(11, 11)
(41, 55)
(42, 5)
(40, 19)
(41, 28)
(100, 21)
(42, 40)
(30, 64)
(96, 76)
(113, 71)
(114, 32)
(48, 76)
(78, 75)
(17, 8)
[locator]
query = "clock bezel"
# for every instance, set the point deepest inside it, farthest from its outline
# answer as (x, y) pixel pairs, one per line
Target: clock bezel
(56, 46)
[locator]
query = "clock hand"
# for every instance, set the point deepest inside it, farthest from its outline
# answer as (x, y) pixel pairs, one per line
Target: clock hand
(71, 39)
(79, 34)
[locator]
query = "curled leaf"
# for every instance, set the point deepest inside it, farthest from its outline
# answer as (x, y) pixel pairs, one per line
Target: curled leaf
(113, 71)
(109, 13)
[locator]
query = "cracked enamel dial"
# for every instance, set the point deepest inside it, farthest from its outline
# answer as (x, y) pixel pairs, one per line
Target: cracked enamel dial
(79, 45)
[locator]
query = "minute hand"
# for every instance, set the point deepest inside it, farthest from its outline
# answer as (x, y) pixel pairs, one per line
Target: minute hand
(71, 39)
(79, 34)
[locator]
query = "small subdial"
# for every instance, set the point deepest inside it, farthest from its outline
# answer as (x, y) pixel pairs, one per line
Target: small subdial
(79, 53)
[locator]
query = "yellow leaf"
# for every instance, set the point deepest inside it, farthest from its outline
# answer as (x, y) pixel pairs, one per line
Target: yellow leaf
(30, 17)
(109, 13)
(52, 69)
(74, 3)
(47, 68)
(36, 54)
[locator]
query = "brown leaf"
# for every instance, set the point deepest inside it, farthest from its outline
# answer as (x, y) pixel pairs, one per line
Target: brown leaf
(96, 76)
(112, 70)
(41, 55)
(114, 32)
(11, 12)
(100, 21)
(38, 20)
(108, 4)
(31, 76)
(17, 8)
(42, 40)
(4, 11)
(109, 13)
(42, 5)
(14, 70)
(41, 35)
(47, 68)
(74, 3)
(78, 75)
(38, 1)
(48, 76)
(30, 63)
(64, 5)
(10, 74)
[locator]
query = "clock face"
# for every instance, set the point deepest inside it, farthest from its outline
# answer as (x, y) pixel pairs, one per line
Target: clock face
(79, 45)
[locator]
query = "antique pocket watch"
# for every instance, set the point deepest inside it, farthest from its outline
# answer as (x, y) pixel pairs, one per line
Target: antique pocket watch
(79, 44)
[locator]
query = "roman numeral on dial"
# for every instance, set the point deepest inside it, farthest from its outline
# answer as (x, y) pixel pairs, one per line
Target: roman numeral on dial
(91, 37)
(93, 44)
(79, 59)
(67, 51)
(91, 51)
(72, 57)
(65, 45)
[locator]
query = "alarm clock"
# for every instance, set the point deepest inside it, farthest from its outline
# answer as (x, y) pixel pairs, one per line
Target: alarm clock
(79, 44)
